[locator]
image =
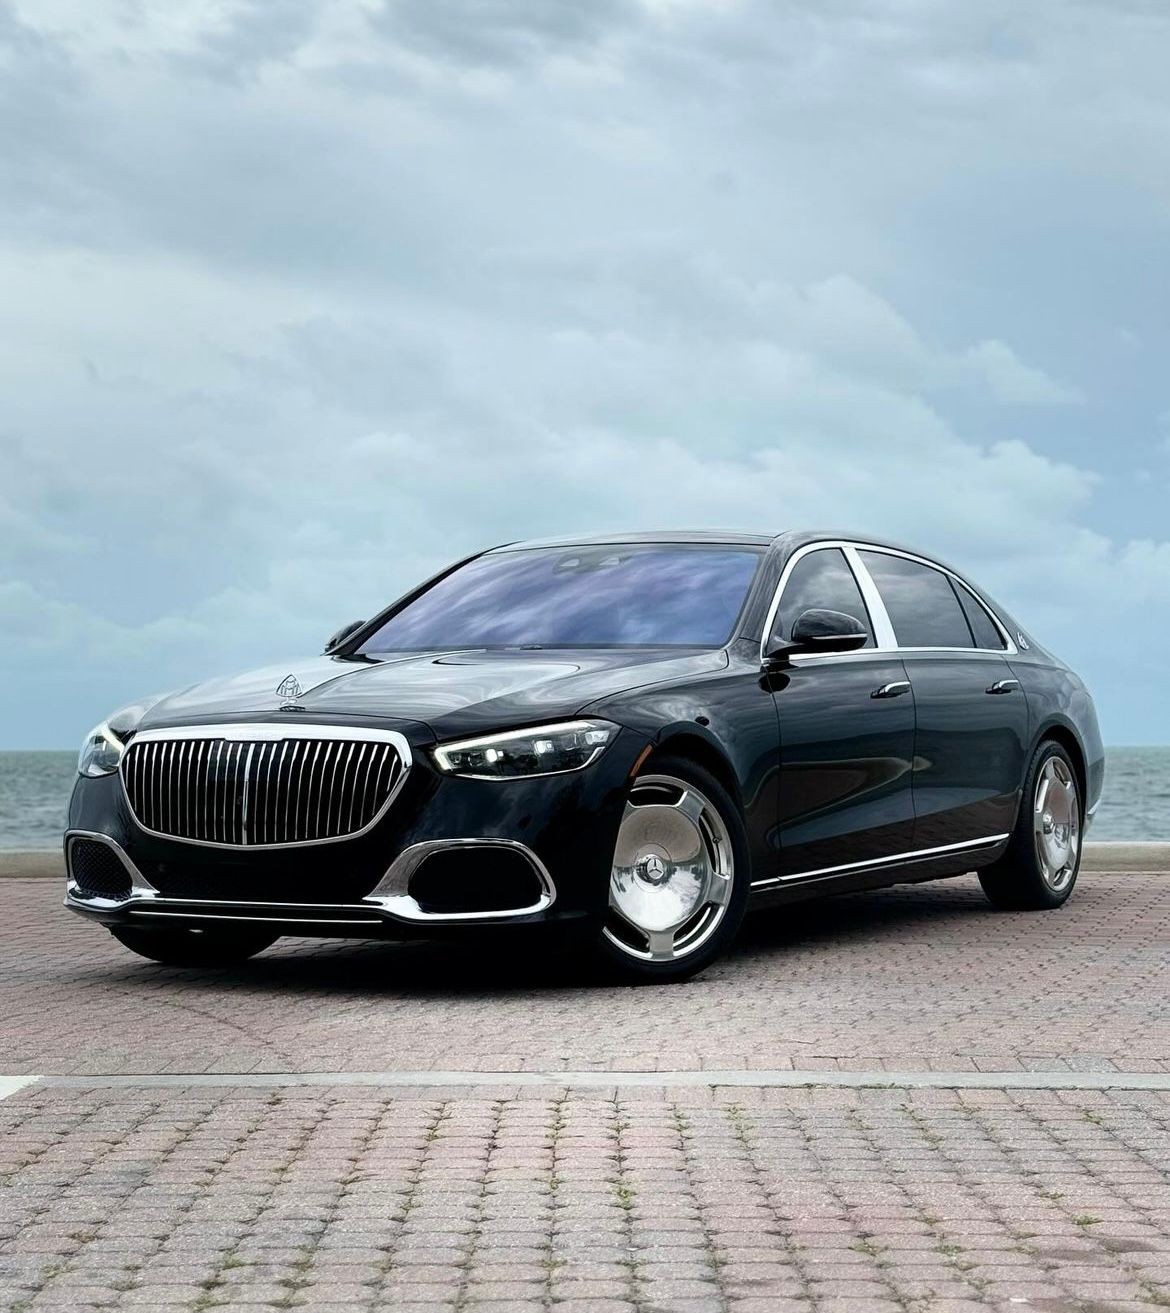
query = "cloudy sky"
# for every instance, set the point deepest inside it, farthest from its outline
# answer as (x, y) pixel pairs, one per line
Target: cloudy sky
(299, 300)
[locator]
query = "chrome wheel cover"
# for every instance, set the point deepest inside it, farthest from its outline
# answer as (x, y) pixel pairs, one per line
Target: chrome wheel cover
(1056, 823)
(672, 874)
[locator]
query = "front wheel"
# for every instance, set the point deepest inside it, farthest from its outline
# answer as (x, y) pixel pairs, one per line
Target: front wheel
(183, 947)
(1039, 868)
(679, 881)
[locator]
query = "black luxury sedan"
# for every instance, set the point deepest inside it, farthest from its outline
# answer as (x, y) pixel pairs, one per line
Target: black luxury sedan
(628, 740)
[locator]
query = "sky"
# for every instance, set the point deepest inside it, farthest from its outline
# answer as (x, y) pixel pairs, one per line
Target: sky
(302, 299)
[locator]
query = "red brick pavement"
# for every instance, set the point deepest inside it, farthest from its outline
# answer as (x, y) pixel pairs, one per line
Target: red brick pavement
(681, 1200)
(782, 1200)
(912, 978)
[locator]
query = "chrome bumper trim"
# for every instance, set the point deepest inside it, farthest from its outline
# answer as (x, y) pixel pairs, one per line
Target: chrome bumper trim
(390, 900)
(140, 886)
(393, 891)
(178, 910)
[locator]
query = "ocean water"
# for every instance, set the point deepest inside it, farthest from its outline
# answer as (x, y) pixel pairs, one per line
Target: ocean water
(35, 786)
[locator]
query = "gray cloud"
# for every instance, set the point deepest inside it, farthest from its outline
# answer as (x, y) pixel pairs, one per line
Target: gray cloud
(503, 33)
(301, 303)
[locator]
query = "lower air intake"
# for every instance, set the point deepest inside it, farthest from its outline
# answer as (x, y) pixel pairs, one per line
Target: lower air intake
(470, 880)
(97, 870)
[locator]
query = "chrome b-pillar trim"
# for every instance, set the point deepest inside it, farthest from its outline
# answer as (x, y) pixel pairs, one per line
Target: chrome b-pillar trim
(140, 886)
(393, 894)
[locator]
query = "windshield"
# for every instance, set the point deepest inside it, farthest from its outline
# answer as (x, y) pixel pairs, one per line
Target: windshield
(605, 596)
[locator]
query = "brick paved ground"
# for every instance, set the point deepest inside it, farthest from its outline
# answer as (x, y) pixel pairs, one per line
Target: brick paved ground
(817, 1200)
(922, 1201)
(907, 978)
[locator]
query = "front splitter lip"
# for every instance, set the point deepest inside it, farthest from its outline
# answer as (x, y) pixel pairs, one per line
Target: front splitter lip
(309, 918)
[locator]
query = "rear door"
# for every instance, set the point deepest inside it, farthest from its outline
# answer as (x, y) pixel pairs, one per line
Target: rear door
(971, 715)
(846, 733)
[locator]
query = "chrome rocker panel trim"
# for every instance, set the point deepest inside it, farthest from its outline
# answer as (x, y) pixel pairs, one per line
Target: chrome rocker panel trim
(878, 863)
(390, 900)
(266, 731)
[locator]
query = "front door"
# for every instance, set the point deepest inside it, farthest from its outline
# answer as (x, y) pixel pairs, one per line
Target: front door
(846, 735)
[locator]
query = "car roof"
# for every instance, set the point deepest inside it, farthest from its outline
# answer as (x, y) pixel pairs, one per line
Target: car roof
(645, 536)
(789, 540)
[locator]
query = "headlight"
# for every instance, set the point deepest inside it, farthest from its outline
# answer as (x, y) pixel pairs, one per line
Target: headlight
(546, 750)
(100, 753)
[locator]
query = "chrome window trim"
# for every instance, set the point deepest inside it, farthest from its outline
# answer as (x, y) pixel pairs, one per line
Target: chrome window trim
(895, 859)
(267, 732)
(883, 633)
(885, 640)
(392, 893)
(1009, 648)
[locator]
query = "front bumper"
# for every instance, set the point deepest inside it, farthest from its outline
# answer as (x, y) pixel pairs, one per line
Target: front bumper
(560, 829)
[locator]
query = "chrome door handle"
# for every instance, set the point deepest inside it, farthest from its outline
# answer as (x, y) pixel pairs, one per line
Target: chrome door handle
(896, 689)
(1004, 686)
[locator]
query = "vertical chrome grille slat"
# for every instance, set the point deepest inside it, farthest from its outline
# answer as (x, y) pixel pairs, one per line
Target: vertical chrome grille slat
(307, 791)
(188, 801)
(326, 761)
(354, 784)
(180, 790)
(345, 776)
(165, 786)
(260, 830)
(234, 791)
(217, 808)
(226, 790)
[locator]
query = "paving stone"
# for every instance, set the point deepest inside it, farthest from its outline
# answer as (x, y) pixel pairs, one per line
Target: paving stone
(733, 1200)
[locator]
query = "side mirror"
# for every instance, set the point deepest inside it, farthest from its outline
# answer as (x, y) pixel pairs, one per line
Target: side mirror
(343, 633)
(817, 631)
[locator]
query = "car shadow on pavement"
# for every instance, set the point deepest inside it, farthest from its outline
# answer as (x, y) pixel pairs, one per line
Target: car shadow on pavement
(519, 962)
(871, 914)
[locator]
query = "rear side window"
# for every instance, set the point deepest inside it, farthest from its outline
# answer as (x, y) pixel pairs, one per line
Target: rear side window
(982, 626)
(920, 601)
(821, 579)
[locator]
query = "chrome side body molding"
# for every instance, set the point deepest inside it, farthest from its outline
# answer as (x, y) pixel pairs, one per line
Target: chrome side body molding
(878, 863)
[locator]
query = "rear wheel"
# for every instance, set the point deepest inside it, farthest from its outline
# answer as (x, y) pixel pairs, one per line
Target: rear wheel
(184, 947)
(679, 881)
(1040, 867)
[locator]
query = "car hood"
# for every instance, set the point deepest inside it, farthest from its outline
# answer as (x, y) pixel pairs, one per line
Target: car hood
(449, 693)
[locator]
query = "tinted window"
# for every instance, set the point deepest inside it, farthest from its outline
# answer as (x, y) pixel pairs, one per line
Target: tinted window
(614, 596)
(821, 579)
(982, 626)
(921, 603)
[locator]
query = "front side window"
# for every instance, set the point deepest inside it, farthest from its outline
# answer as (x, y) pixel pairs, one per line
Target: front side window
(824, 580)
(920, 601)
(625, 595)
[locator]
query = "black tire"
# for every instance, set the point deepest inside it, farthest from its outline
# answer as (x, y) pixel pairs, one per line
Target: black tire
(1017, 881)
(618, 961)
(183, 947)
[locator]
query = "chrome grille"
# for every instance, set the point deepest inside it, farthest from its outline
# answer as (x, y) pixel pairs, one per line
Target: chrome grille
(261, 790)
